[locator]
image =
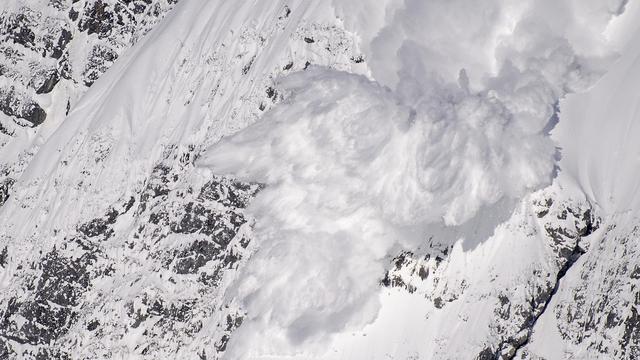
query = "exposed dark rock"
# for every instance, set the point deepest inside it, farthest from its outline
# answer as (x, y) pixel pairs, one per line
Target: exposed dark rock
(5, 187)
(97, 19)
(50, 310)
(52, 354)
(50, 82)
(19, 30)
(16, 104)
(410, 270)
(45, 322)
(5, 350)
(5, 131)
(155, 308)
(73, 14)
(271, 93)
(4, 254)
(63, 280)
(487, 354)
(94, 228)
(585, 225)
(197, 255)
(247, 67)
(229, 193)
(115, 25)
(233, 322)
(99, 60)
(545, 206)
(93, 324)
(357, 59)
(438, 303)
(630, 342)
(392, 279)
(423, 273)
(199, 219)
(63, 42)
(287, 12)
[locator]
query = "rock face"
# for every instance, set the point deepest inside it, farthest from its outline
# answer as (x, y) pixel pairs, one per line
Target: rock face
(61, 284)
(114, 244)
(596, 308)
(561, 229)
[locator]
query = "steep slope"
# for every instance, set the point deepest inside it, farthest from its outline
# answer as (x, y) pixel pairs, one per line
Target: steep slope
(390, 197)
(45, 42)
(51, 52)
(595, 313)
(428, 170)
(129, 237)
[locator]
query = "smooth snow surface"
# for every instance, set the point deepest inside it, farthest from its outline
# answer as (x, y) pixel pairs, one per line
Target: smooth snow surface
(600, 130)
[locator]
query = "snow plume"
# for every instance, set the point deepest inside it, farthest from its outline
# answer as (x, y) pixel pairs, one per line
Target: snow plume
(455, 120)
(320, 227)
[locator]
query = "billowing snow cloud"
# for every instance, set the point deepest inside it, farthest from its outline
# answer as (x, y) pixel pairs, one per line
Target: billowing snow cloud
(455, 120)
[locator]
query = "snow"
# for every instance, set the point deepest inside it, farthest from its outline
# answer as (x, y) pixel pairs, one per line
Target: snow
(453, 122)
(200, 75)
(410, 326)
(352, 174)
(483, 38)
(443, 132)
(598, 133)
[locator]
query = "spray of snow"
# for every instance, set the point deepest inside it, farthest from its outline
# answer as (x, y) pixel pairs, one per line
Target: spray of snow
(455, 120)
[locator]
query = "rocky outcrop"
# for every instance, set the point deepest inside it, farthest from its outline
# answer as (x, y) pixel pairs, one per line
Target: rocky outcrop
(75, 41)
(209, 227)
(516, 308)
(71, 42)
(598, 310)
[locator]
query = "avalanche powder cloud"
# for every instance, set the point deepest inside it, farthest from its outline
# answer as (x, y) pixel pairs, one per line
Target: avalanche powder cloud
(455, 119)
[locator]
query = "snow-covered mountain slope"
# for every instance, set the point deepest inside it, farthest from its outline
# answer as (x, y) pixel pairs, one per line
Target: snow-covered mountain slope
(52, 51)
(331, 180)
(595, 313)
(131, 238)
(45, 42)
(604, 121)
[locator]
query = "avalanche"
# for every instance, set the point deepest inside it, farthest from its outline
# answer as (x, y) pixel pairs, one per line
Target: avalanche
(397, 179)
(356, 169)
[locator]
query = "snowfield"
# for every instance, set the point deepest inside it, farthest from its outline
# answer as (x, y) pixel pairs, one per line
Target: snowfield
(296, 179)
